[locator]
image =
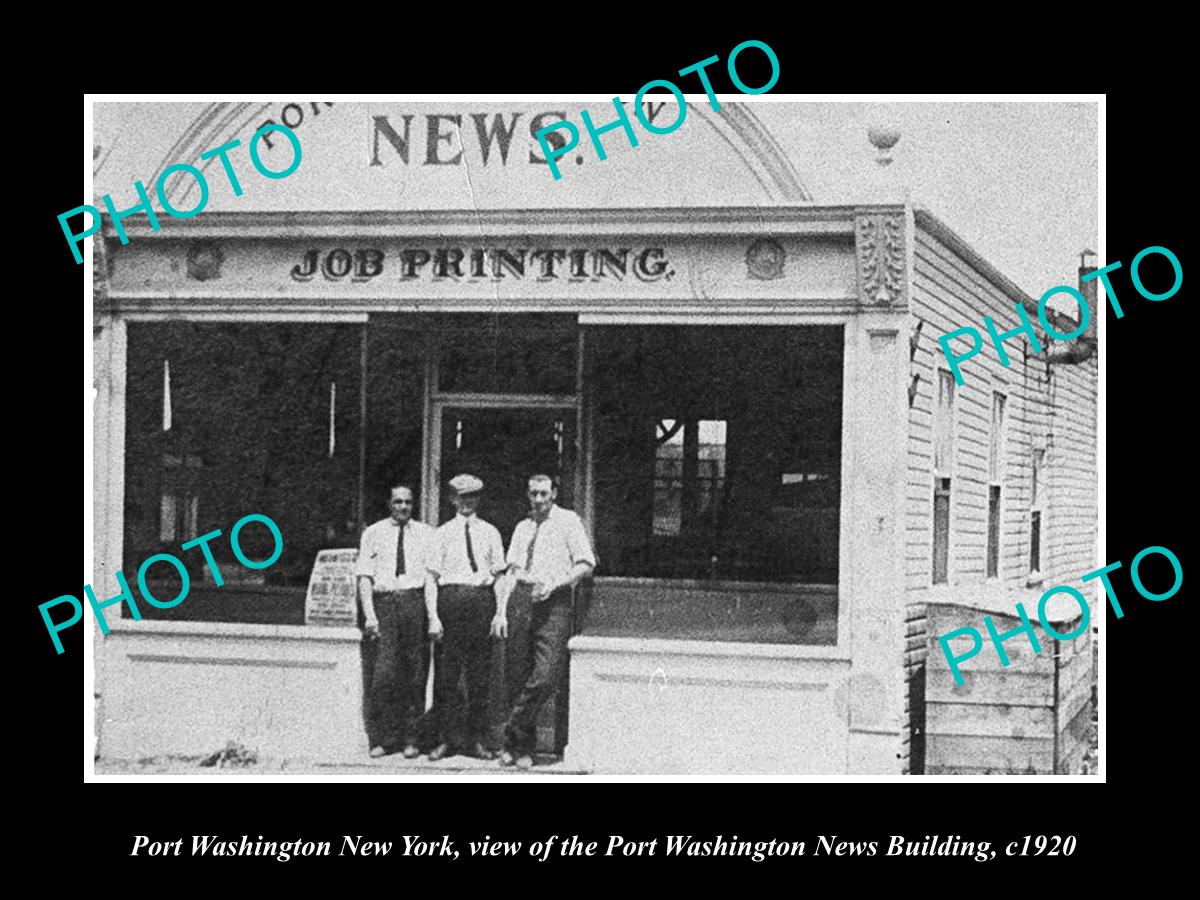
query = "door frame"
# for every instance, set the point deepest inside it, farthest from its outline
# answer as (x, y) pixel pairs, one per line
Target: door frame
(436, 402)
(432, 497)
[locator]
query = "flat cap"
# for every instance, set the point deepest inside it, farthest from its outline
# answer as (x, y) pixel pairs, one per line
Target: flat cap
(466, 484)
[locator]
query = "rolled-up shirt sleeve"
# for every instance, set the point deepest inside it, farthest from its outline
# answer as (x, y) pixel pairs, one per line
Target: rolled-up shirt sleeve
(366, 556)
(435, 557)
(520, 544)
(578, 543)
(498, 562)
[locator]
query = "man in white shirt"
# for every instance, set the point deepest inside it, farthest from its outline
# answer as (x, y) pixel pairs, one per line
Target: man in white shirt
(399, 603)
(549, 555)
(467, 557)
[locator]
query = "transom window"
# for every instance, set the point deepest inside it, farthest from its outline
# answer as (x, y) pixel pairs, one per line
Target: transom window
(505, 353)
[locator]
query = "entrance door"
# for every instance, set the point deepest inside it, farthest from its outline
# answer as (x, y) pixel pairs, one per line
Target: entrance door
(504, 446)
(503, 443)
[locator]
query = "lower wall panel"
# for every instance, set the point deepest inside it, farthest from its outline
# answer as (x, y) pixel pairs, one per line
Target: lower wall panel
(752, 710)
(682, 712)
(191, 693)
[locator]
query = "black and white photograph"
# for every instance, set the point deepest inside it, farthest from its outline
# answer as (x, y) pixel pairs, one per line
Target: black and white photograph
(712, 437)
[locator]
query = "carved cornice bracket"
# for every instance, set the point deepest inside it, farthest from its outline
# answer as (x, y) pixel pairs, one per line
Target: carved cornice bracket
(880, 251)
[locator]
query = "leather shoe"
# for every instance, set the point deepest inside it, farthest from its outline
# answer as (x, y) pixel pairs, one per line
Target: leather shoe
(525, 761)
(439, 752)
(377, 752)
(411, 752)
(507, 759)
(481, 752)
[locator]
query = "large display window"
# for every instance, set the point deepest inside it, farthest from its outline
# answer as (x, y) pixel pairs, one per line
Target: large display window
(223, 420)
(706, 460)
(717, 461)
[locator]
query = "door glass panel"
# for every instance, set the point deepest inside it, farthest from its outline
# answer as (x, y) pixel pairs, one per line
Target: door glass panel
(504, 447)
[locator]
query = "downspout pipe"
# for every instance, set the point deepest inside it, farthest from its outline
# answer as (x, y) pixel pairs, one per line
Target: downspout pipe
(1083, 347)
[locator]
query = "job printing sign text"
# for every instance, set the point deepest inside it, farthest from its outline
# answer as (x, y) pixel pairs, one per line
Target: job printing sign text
(604, 271)
(485, 263)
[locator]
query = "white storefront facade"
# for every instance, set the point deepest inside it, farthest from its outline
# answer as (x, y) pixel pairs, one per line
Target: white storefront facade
(715, 366)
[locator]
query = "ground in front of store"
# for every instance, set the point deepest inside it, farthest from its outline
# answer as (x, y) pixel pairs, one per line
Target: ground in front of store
(235, 759)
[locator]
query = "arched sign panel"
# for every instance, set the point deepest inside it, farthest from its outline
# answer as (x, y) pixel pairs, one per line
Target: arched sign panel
(399, 155)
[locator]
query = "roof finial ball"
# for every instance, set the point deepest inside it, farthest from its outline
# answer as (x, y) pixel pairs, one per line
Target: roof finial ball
(883, 140)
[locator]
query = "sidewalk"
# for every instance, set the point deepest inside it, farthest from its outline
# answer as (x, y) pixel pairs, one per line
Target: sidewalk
(388, 766)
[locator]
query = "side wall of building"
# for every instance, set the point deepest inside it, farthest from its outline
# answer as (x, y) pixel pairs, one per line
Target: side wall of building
(1049, 408)
(1073, 486)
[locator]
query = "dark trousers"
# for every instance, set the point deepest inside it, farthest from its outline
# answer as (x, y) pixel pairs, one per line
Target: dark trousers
(396, 700)
(536, 664)
(465, 649)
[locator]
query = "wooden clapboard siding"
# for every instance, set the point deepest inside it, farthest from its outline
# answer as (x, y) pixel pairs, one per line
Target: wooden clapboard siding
(1049, 407)
(1071, 541)
(948, 294)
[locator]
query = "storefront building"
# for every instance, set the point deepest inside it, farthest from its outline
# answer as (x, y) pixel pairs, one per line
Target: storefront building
(738, 388)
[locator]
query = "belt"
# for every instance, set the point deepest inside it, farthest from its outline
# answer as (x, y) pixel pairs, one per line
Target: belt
(562, 594)
(445, 589)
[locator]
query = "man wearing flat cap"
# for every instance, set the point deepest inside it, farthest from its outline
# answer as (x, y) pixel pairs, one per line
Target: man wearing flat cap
(468, 555)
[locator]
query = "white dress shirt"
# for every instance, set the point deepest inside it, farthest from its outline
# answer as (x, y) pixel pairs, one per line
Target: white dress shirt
(377, 555)
(449, 561)
(561, 542)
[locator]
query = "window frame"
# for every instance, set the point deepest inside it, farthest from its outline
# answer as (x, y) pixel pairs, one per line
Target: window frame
(942, 375)
(997, 461)
(1038, 504)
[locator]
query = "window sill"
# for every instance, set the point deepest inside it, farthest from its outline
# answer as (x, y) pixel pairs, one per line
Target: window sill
(158, 627)
(703, 584)
(654, 646)
(167, 589)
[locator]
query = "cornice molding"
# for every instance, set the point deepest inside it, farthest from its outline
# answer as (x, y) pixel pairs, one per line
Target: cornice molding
(685, 221)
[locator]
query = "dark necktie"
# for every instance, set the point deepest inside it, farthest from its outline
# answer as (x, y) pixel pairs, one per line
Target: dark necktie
(400, 551)
(537, 527)
(470, 549)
